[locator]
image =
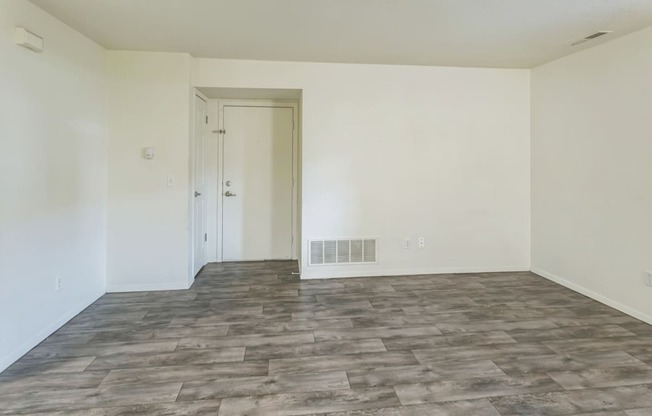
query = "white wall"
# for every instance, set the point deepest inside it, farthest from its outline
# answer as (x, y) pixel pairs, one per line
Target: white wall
(148, 223)
(397, 151)
(52, 178)
(592, 172)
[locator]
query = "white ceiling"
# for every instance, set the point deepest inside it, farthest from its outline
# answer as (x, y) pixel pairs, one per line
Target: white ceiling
(484, 33)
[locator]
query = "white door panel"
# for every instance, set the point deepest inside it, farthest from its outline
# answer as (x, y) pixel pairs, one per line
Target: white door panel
(199, 199)
(257, 173)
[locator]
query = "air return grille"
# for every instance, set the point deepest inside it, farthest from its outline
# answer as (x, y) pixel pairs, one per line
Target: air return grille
(591, 37)
(342, 251)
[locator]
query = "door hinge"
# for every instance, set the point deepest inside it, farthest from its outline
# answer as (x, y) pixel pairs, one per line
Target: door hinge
(206, 119)
(205, 237)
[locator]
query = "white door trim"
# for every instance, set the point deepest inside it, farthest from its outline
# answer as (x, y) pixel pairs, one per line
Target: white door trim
(295, 166)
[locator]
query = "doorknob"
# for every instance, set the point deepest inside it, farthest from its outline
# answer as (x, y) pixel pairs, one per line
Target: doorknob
(197, 194)
(228, 193)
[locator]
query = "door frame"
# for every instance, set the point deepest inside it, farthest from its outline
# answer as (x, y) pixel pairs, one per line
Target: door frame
(196, 94)
(294, 105)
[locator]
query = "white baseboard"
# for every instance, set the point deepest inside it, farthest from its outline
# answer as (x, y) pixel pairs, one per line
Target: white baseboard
(594, 295)
(325, 272)
(147, 287)
(45, 332)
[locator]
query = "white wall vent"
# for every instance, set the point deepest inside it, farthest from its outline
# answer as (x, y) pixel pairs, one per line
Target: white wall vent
(342, 251)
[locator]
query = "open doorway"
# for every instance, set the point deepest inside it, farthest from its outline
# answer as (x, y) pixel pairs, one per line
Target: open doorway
(252, 174)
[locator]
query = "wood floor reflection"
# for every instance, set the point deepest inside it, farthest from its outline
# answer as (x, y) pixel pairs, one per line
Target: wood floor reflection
(252, 339)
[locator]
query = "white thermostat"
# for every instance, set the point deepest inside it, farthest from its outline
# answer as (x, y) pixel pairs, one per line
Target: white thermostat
(148, 153)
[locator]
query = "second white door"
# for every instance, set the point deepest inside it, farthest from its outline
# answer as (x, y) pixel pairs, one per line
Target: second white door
(257, 183)
(198, 180)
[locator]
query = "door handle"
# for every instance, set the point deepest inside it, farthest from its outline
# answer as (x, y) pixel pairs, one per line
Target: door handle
(197, 194)
(228, 193)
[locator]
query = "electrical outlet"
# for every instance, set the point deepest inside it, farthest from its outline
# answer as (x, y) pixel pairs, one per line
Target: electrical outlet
(58, 284)
(648, 278)
(406, 243)
(422, 242)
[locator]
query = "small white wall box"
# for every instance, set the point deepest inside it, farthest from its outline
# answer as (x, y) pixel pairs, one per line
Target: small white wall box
(28, 40)
(148, 152)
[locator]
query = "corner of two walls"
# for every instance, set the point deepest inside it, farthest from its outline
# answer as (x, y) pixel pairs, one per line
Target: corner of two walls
(592, 172)
(89, 209)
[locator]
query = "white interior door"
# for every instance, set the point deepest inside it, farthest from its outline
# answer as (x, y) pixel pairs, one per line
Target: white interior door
(199, 199)
(257, 183)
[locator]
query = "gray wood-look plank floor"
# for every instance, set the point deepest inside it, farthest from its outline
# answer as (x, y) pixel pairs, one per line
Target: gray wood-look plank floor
(252, 339)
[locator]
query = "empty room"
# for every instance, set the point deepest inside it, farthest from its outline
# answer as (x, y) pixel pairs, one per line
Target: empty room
(326, 207)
